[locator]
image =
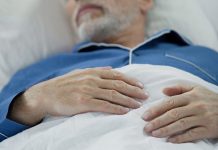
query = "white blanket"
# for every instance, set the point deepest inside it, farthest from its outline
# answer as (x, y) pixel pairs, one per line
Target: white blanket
(97, 131)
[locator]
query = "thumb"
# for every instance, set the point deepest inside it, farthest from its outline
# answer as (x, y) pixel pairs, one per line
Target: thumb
(177, 90)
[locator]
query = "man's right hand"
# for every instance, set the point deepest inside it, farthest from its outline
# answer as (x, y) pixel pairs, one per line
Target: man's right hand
(80, 91)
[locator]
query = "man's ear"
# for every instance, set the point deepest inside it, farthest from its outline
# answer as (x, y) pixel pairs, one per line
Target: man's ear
(145, 5)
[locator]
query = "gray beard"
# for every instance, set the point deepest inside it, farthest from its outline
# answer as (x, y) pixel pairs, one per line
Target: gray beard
(100, 29)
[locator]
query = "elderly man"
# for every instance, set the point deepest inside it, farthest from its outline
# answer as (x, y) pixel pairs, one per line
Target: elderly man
(83, 81)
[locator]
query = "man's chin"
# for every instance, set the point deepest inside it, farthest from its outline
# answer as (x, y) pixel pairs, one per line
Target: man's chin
(85, 32)
(97, 30)
(89, 31)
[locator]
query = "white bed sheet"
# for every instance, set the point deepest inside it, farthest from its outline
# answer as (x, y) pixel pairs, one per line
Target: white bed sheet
(97, 131)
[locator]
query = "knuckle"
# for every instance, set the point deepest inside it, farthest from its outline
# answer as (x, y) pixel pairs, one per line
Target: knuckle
(82, 100)
(89, 80)
(131, 102)
(85, 89)
(174, 114)
(117, 75)
(123, 85)
(211, 120)
(170, 102)
(120, 85)
(113, 94)
(194, 94)
(104, 105)
(191, 133)
(183, 123)
(202, 106)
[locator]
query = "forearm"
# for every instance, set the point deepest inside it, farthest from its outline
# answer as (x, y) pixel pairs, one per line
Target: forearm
(25, 110)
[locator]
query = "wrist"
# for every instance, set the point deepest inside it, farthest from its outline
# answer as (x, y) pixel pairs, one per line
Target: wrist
(26, 108)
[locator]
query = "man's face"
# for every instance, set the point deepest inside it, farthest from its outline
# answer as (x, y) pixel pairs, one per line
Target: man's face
(98, 19)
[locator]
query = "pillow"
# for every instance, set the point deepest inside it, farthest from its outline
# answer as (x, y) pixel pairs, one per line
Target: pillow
(31, 30)
(34, 29)
(186, 17)
(211, 11)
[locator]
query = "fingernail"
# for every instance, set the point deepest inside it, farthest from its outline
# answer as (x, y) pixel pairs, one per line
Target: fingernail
(143, 95)
(139, 104)
(136, 105)
(126, 110)
(146, 115)
(146, 93)
(141, 85)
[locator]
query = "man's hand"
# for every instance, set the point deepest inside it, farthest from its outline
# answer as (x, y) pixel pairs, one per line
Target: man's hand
(87, 90)
(191, 113)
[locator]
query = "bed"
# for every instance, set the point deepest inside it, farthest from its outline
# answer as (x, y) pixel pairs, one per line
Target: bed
(48, 26)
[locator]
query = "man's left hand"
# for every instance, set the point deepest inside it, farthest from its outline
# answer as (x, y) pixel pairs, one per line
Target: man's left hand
(190, 113)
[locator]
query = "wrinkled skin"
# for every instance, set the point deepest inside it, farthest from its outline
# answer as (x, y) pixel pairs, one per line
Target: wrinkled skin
(190, 114)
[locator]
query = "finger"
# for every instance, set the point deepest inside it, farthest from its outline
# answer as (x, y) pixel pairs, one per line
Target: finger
(115, 75)
(190, 135)
(124, 88)
(98, 105)
(177, 90)
(178, 127)
(115, 97)
(166, 105)
(170, 117)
